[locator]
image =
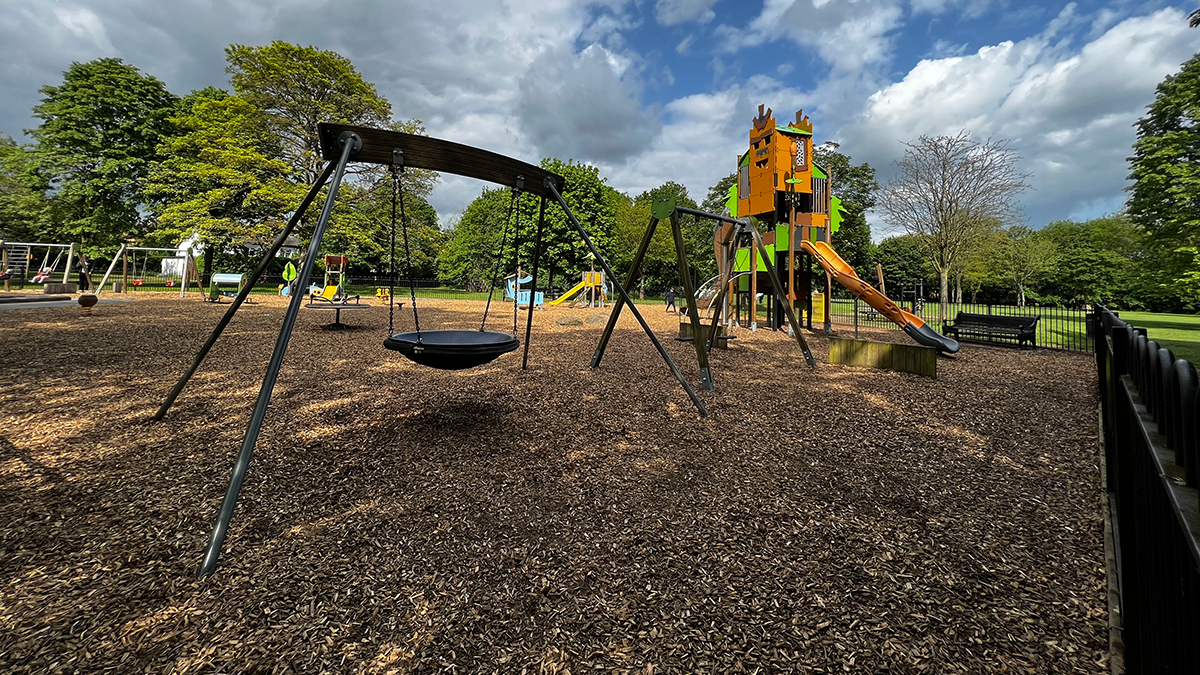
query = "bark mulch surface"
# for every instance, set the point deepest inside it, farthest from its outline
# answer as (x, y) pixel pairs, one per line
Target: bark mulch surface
(563, 519)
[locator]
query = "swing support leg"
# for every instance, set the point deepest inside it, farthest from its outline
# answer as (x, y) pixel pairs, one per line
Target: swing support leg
(723, 284)
(350, 143)
(537, 254)
(634, 270)
(685, 276)
(625, 296)
(779, 290)
(243, 293)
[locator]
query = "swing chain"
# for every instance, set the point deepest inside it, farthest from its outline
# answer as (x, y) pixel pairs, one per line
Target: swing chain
(398, 195)
(516, 193)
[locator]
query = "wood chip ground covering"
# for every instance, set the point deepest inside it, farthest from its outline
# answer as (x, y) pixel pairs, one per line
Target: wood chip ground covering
(397, 519)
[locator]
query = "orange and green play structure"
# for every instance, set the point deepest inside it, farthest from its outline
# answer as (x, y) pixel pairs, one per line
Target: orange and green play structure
(780, 186)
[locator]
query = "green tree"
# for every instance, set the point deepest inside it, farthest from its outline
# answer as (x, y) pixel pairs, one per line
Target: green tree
(470, 250)
(97, 140)
(1024, 256)
(469, 257)
(1165, 169)
(221, 177)
(26, 214)
(1098, 260)
(855, 185)
(299, 87)
(903, 261)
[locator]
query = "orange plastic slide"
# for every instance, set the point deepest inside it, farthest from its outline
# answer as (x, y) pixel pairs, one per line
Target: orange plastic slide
(842, 273)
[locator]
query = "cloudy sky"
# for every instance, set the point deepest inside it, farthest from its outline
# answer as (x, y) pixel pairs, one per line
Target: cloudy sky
(657, 90)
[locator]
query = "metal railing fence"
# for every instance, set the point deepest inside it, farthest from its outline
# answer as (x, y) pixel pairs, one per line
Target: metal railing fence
(1149, 417)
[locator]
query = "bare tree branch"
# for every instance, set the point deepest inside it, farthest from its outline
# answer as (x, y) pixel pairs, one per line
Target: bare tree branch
(950, 191)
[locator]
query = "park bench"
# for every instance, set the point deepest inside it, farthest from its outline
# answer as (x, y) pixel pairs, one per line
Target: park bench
(993, 328)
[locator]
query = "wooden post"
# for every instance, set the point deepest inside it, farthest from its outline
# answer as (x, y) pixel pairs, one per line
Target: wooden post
(67, 272)
(828, 282)
(879, 275)
(754, 284)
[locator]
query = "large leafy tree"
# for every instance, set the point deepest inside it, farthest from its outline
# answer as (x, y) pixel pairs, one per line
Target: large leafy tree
(1098, 260)
(26, 214)
(903, 262)
(1024, 257)
(855, 185)
(298, 87)
(473, 241)
(97, 140)
(1165, 169)
(221, 177)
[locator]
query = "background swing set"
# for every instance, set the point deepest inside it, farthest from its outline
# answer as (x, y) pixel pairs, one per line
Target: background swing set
(18, 262)
(150, 268)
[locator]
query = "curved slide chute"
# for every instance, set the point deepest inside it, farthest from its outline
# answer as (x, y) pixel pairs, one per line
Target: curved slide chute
(912, 324)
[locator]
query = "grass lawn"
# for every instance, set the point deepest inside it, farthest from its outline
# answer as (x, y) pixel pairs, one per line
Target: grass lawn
(1178, 332)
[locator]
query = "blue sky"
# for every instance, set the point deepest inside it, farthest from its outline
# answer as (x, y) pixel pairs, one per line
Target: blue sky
(652, 91)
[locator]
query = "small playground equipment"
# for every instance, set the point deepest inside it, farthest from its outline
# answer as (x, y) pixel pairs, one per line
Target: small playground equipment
(779, 185)
(512, 290)
(19, 262)
(333, 293)
(448, 349)
(148, 267)
(591, 291)
(224, 279)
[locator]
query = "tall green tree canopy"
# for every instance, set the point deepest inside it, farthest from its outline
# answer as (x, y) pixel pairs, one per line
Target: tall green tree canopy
(298, 87)
(855, 185)
(98, 137)
(1165, 169)
(25, 212)
(221, 177)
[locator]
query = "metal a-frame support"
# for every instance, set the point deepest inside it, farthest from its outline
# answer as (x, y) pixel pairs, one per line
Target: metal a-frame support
(740, 227)
(661, 209)
(350, 143)
(379, 147)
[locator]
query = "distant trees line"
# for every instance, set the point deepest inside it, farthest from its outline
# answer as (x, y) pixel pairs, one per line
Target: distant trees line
(116, 157)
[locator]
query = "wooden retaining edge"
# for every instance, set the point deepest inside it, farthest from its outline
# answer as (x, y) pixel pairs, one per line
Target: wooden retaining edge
(915, 359)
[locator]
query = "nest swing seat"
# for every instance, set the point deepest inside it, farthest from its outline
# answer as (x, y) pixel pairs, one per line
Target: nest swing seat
(452, 349)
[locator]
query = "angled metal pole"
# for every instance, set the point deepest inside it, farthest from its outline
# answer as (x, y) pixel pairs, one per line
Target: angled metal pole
(787, 308)
(685, 276)
(243, 293)
(726, 273)
(350, 143)
(537, 254)
(108, 272)
(625, 296)
(634, 270)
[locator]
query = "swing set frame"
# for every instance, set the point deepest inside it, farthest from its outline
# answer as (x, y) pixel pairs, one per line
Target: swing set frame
(340, 145)
(5, 261)
(189, 267)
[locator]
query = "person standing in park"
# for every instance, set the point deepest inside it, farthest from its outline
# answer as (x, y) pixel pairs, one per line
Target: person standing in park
(670, 301)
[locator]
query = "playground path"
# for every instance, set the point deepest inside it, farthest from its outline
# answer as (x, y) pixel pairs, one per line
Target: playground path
(563, 519)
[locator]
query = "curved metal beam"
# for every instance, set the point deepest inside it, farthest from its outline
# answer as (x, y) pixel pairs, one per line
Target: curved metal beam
(435, 154)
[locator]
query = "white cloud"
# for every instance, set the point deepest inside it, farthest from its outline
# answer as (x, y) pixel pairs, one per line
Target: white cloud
(703, 136)
(1068, 112)
(672, 12)
(849, 35)
(579, 106)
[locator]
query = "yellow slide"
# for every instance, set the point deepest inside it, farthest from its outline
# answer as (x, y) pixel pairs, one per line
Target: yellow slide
(842, 273)
(567, 296)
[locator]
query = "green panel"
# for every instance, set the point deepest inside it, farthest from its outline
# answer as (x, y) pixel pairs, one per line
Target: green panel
(741, 262)
(663, 207)
(793, 130)
(835, 213)
(818, 172)
(732, 200)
